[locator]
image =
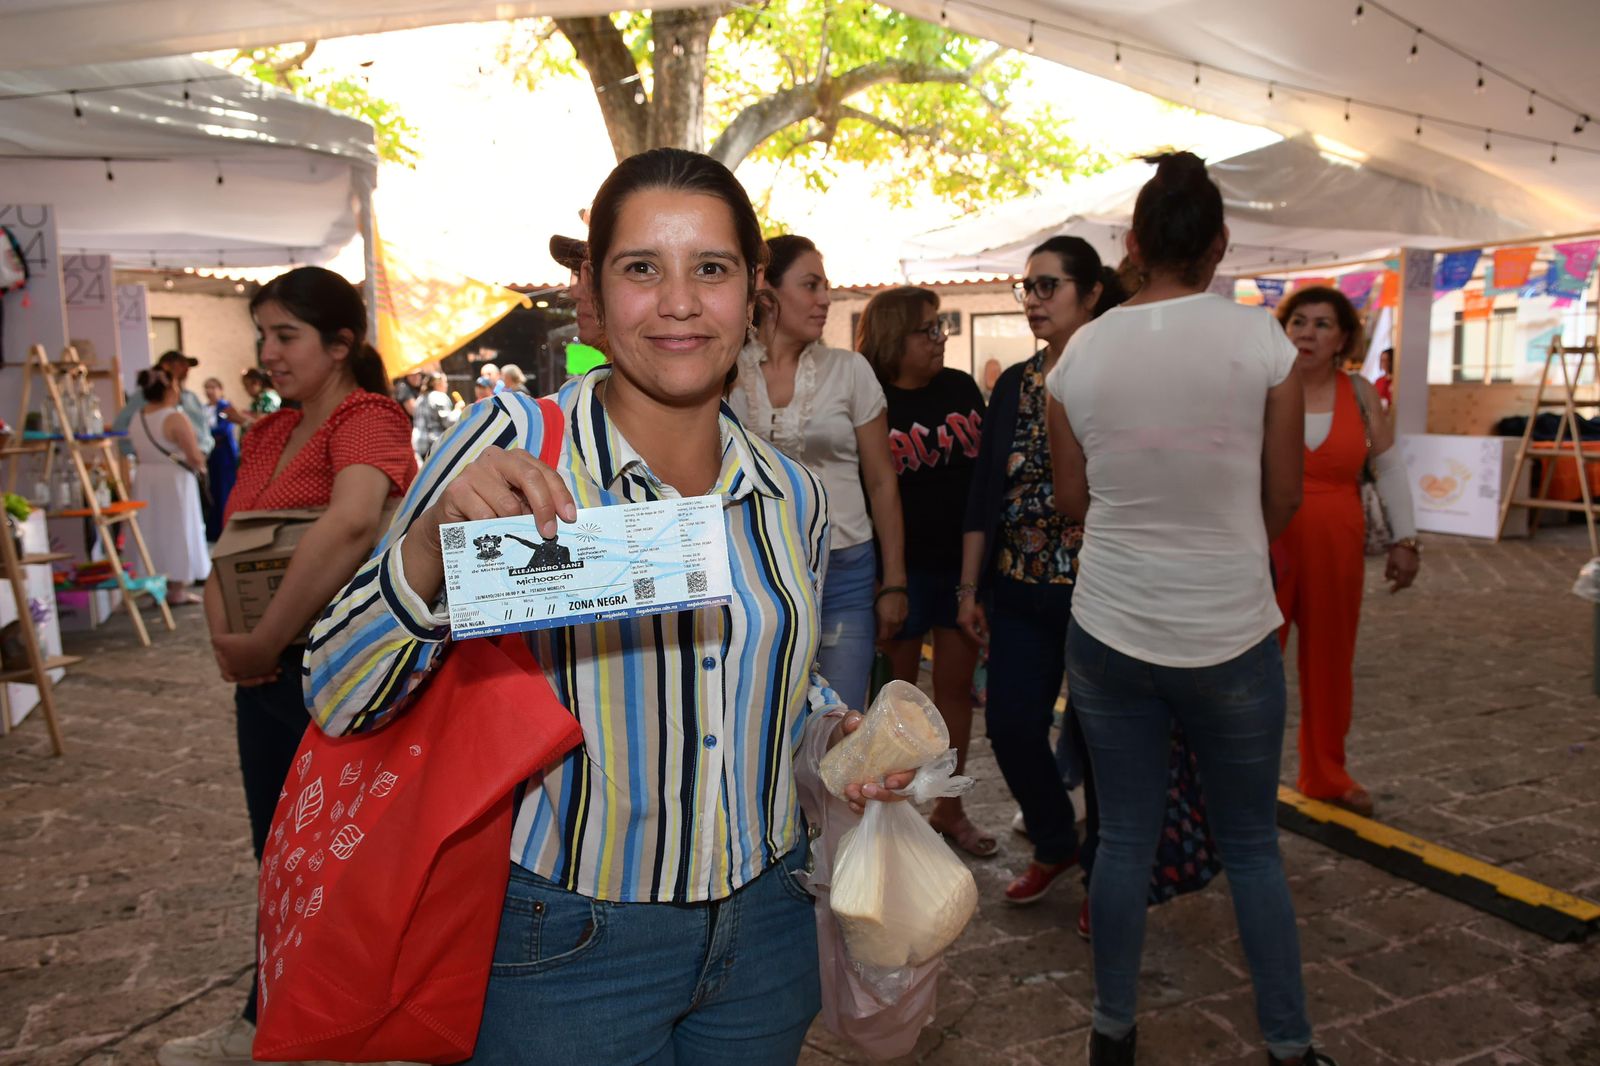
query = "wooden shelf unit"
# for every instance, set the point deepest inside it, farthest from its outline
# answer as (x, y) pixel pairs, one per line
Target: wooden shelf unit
(1568, 443)
(70, 372)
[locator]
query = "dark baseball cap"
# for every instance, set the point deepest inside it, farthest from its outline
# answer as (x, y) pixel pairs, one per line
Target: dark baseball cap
(569, 251)
(177, 357)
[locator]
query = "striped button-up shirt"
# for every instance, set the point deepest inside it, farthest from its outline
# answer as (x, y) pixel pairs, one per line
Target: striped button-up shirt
(683, 788)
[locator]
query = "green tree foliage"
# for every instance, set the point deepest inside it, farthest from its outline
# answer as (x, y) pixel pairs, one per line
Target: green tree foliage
(284, 66)
(811, 84)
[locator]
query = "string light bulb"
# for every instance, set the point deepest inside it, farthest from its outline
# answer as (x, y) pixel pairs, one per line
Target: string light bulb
(77, 111)
(109, 176)
(1419, 127)
(1197, 74)
(188, 100)
(1552, 151)
(1487, 146)
(1116, 55)
(1531, 95)
(1270, 93)
(677, 47)
(1416, 45)
(1361, 9)
(1347, 109)
(1030, 36)
(944, 13)
(1480, 86)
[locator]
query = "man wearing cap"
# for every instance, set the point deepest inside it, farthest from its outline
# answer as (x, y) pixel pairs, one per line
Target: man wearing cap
(177, 366)
(571, 253)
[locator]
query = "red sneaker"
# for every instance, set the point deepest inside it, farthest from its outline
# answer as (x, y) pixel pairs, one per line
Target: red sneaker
(1083, 921)
(1036, 881)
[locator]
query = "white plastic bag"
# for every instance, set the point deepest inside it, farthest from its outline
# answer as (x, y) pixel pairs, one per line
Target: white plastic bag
(899, 894)
(1588, 584)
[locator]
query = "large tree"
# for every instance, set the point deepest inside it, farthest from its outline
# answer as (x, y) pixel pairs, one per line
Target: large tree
(811, 84)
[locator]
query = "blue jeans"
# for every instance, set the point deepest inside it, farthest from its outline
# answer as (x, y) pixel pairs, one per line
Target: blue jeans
(1233, 714)
(582, 982)
(849, 625)
(1027, 661)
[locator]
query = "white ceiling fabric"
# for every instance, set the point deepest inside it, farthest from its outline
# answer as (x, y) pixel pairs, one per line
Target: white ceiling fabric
(56, 33)
(1313, 44)
(292, 172)
(1288, 203)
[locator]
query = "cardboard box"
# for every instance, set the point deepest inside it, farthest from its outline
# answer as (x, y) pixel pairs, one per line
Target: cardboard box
(250, 559)
(252, 556)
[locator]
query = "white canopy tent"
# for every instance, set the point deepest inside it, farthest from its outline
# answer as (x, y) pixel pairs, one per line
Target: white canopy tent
(238, 174)
(1304, 67)
(1288, 203)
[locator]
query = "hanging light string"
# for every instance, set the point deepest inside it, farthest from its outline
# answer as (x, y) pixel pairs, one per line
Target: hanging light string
(85, 90)
(1119, 48)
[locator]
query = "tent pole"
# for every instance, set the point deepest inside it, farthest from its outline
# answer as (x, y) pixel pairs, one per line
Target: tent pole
(369, 251)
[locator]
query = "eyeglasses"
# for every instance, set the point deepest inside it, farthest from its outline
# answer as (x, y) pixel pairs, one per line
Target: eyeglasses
(935, 331)
(1043, 286)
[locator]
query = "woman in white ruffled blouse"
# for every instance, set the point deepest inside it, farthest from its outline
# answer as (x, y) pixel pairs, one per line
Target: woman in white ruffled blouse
(824, 407)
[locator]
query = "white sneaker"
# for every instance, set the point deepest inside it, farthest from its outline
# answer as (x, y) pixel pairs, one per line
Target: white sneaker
(226, 1045)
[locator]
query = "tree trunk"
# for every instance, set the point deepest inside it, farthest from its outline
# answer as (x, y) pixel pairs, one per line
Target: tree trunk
(615, 77)
(682, 39)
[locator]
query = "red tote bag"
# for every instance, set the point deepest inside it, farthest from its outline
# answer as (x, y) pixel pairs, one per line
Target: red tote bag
(386, 867)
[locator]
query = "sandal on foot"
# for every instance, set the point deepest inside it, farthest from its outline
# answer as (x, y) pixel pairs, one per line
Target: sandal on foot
(968, 837)
(1357, 801)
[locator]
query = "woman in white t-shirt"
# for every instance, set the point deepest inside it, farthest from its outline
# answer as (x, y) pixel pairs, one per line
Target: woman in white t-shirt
(1176, 436)
(824, 407)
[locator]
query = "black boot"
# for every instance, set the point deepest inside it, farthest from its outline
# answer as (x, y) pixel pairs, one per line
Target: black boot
(1104, 1051)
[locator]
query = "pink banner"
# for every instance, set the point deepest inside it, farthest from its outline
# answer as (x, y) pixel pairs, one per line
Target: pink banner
(1358, 285)
(1580, 257)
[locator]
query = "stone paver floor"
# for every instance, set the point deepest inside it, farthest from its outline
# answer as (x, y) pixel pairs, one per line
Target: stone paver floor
(127, 884)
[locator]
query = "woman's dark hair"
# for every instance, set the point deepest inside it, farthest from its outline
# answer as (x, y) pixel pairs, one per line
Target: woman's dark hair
(1079, 261)
(1343, 310)
(1177, 217)
(677, 169)
(332, 306)
(1112, 291)
(887, 320)
(782, 251)
(154, 384)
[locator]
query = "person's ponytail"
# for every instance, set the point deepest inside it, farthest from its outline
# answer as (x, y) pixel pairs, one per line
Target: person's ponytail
(367, 367)
(1177, 217)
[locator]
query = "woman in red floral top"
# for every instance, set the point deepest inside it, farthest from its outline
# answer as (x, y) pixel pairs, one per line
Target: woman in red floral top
(345, 450)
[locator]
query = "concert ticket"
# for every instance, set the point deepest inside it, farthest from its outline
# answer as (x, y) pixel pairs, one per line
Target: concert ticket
(615, 562)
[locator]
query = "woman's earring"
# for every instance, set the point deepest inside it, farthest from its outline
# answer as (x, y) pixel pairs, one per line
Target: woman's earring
(750, 333)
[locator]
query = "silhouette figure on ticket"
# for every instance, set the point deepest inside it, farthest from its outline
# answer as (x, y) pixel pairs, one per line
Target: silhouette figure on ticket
(547, 555)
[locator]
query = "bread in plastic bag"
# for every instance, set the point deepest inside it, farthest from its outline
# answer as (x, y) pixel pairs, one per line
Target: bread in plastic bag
(902, 730)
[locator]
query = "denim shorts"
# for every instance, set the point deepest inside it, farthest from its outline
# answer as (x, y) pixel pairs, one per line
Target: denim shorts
(931, 592)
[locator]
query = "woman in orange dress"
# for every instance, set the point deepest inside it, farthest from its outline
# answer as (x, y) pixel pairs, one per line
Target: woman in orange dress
(1319, 559)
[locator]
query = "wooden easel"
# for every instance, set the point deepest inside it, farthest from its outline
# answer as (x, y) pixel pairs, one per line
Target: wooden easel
(80, 451)
(1568, 442)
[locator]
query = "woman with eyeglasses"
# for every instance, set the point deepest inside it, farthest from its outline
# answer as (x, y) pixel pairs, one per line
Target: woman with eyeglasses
(1018, 558)
(824, 407)
(935, 423)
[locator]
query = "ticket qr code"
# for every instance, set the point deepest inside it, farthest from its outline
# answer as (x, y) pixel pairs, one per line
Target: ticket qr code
(453, 538)
(697, 582)
(644, 588)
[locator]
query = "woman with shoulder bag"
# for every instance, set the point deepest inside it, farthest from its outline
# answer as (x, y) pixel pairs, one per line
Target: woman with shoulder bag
(653, 912)
(1318, 558)
(170, 466)
(345, 450)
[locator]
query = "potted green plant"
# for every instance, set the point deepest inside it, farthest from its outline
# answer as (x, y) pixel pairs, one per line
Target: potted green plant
(17, 511)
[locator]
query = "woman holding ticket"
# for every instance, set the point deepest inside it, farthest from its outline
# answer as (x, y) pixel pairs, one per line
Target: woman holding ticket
(653, 912)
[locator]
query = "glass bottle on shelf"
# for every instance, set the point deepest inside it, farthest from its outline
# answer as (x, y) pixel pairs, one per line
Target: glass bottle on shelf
(69, 493)
(94, 422)
(69, 404)
(47, 418)
(102, 488)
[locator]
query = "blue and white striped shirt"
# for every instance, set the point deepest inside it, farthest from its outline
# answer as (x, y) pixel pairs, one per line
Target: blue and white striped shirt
(682, 789)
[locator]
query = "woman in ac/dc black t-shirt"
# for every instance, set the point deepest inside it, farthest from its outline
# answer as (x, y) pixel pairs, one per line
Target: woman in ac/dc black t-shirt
(935, 417)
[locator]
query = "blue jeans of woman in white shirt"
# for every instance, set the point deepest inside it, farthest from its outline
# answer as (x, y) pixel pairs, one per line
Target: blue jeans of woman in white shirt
(849, 626)
(1233, 714)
